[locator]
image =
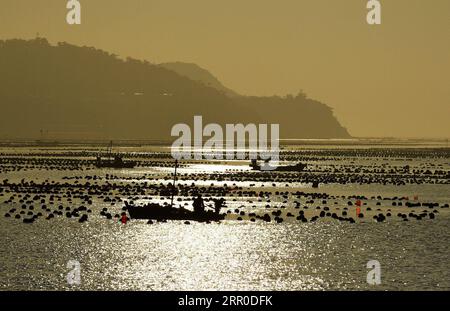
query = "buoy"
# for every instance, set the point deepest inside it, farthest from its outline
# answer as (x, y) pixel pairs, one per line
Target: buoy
(124, 218)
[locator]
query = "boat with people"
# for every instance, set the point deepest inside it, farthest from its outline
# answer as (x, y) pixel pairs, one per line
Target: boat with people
(154, 211)
(113, 161)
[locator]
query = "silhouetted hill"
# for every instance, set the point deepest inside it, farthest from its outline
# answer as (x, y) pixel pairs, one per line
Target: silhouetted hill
(85, 93)
(196, 73)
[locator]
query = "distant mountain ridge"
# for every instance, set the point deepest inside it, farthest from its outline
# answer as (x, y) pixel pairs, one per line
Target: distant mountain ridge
(67, 91)
(196, 73)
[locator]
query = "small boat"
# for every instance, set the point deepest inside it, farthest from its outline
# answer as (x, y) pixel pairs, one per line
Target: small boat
(299, 167)
(115, 161)
(157, 212)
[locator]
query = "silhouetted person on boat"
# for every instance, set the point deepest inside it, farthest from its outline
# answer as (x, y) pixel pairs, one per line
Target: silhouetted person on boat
(218, 203)
(118, 160)
(199, 205)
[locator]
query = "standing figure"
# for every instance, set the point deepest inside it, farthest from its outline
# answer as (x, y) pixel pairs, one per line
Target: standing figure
(199, 205)
(218, 203)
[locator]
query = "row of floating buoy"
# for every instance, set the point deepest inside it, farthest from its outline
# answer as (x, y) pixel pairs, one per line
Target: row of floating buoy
(75, 213)
(33, 216)
(58, 190)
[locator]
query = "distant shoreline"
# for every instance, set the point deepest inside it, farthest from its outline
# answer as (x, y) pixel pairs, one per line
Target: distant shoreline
(369, 141)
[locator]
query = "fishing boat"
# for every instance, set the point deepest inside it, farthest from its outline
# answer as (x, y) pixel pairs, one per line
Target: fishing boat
(155, 211)
(158, 212)
(299, 167)
(113, 161)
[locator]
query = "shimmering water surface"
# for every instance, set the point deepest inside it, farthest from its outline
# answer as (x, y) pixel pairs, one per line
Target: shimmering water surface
(231, 255)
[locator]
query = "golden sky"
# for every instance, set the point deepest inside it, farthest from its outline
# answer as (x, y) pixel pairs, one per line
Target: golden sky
(386, 80)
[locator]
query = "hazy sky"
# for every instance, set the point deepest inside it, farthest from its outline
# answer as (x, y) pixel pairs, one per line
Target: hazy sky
(387, 80)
